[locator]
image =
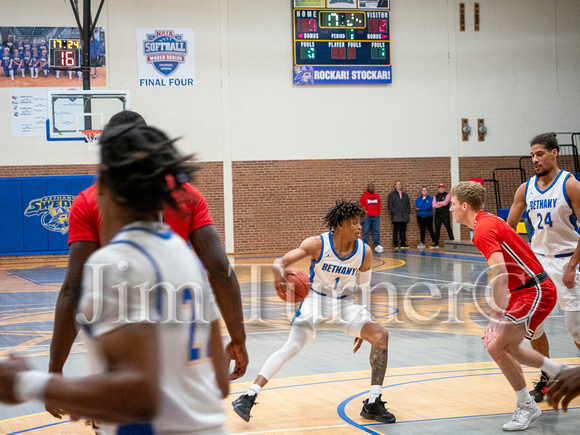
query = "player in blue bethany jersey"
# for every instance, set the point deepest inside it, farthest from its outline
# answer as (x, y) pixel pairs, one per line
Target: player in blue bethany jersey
(7, 64)
(152, 322)
(552, 199)
(338, 258)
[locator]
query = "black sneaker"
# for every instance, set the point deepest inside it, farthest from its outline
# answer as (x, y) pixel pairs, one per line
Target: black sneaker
(377, 411)
(539, 388)
(243, 405)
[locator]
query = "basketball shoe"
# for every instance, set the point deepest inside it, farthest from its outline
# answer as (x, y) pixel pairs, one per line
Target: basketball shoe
(379, 248)
(377, 411)
(243, 405)
(523, 416)
(540, 388)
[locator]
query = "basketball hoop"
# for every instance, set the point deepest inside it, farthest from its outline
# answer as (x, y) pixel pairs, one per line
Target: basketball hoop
(92, 138)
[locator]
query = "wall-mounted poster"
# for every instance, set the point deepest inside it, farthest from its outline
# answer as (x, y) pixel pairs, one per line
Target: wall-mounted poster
(49, 57)
(165, 57)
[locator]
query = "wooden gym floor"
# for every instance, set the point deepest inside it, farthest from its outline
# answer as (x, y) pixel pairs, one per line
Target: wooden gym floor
(440, 379)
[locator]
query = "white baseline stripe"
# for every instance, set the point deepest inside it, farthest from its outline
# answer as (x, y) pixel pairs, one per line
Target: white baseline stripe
(291, 430)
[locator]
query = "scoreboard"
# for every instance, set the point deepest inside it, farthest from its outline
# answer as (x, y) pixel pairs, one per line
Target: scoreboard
(64, 53)
(341, 42)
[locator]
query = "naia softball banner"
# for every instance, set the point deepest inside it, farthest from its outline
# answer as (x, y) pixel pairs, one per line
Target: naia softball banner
(165, 57)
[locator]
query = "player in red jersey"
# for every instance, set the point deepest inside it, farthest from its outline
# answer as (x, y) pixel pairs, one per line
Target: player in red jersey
(192, 222)
(514, 268)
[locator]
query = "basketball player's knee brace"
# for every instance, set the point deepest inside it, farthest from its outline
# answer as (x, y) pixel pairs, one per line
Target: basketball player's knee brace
(539, 331)
(572, 319)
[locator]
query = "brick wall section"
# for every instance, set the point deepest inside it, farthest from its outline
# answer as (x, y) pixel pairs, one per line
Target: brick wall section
(47, 171)
(277, 204)
(209, 181)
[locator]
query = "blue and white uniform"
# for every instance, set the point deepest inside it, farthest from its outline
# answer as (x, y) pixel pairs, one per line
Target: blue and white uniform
(7, 64)
(330, 303)
(44, 63)
(555, 234)
(149, 255)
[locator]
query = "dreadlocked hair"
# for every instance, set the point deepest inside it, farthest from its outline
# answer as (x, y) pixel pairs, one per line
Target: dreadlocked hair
(343, 210)
(142, 167)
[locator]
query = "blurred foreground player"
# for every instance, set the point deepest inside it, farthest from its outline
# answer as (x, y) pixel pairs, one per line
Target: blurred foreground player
(564, 388)
(516, 269)
(192, 221)
(337, 257)
(146, 305)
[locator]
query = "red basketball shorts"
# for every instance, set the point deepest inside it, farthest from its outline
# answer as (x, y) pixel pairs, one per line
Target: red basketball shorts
(532, 305)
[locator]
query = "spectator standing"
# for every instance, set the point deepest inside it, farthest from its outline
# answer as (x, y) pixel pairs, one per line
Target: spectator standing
(442, 216)
(95, 52)
(424, 206)
(400, 208)
(371, 202)
(9, 43)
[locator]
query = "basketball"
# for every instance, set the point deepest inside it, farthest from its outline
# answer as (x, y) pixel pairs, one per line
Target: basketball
(298, 286)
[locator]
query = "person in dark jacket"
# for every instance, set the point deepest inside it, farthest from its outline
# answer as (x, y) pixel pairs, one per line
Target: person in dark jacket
(424, 206)
(442, 216)
(400, 208)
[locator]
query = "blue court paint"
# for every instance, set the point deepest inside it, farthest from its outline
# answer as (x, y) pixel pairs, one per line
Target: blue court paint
(342, 414)
(41, 275)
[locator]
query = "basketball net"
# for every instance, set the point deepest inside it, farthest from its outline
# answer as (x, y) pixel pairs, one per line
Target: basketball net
(92, 138)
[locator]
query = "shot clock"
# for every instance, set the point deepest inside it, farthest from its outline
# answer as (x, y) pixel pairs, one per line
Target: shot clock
(64, 53)
(342, 46)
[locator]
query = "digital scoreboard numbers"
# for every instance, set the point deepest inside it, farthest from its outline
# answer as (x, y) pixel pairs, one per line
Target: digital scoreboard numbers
(64, 53)
(341, 42)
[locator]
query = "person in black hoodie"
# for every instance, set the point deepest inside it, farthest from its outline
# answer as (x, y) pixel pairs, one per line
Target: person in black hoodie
(442, 216)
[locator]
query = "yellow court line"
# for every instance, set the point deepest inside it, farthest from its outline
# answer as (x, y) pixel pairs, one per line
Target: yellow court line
(23, 416)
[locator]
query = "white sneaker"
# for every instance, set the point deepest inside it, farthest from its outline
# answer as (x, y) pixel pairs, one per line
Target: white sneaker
(379, 248)
(523, 416)
(434, 247)
(421, 245)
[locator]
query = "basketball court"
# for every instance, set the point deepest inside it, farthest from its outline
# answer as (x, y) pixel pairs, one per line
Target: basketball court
(439, 379)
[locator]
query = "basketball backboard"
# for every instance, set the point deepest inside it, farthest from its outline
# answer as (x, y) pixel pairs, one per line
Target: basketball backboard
(71, 112)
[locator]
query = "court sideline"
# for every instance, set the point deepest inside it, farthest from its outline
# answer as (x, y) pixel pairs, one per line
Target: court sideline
(439, 380)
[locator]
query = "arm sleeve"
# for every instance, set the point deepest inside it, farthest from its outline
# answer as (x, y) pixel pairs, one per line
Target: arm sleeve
(379, 203)
(364, 280)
